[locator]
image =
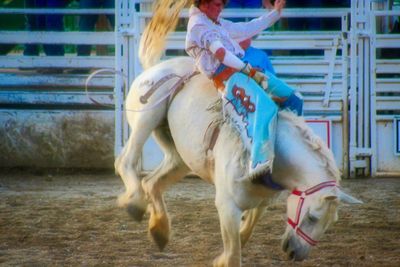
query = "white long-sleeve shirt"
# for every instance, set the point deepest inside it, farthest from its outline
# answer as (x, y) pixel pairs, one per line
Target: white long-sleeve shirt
(202, 31)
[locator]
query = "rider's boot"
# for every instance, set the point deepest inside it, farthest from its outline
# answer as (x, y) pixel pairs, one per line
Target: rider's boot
(284, 95)
(294, 103)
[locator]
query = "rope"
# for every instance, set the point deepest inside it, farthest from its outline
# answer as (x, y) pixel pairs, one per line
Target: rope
(94, 74)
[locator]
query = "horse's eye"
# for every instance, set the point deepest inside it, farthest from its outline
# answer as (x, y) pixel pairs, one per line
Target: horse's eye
(312, 218)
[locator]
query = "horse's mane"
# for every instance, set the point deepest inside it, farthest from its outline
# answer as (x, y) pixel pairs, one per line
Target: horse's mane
(164, 20)
(314, 141)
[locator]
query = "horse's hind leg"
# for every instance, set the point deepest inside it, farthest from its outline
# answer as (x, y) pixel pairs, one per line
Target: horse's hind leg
(126, 166)
(170, 171)
(142, 124)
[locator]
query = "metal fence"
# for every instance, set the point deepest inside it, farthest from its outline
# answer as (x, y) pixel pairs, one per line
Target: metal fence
(349, 76)
(47, 119)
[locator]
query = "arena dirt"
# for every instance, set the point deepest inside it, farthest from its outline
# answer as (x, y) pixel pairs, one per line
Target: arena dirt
(59, 220)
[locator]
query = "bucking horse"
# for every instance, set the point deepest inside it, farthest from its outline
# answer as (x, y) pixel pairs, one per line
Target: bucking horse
(194, 136)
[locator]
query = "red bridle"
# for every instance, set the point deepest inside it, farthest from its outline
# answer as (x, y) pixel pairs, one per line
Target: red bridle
(302, 195)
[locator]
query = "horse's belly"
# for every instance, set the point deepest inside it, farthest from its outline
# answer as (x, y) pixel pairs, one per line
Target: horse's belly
(189, 120)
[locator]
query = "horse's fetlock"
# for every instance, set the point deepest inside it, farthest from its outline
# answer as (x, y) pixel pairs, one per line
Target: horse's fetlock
(136, 212)
(135, 204)
(123, 200)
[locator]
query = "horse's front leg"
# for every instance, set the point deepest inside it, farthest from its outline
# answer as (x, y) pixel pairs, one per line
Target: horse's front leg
(229, 216)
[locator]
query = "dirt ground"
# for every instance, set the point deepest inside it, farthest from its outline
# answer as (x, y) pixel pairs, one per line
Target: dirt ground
(72, 219)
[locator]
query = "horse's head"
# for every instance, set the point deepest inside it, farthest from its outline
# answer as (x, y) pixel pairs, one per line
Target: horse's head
(310, 212)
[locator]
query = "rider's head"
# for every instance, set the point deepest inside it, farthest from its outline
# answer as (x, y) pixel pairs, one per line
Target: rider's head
(211, 8)
(198, 2)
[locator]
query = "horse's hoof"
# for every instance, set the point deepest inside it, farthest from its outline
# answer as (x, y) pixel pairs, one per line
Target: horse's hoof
(159, 238)
(136, 212)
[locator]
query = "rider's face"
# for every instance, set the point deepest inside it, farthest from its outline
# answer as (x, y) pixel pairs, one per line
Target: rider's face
(212, 9)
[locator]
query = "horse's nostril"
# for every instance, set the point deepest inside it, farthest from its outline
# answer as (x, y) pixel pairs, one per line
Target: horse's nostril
(285, 245)
(291, 255)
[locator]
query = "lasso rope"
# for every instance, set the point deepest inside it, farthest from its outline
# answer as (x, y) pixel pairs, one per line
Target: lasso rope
(94, 74)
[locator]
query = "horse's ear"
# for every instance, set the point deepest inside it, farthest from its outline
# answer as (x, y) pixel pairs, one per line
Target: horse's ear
(346, 198)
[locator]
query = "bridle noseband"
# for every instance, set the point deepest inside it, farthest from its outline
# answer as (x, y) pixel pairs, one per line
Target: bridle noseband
(302, 196)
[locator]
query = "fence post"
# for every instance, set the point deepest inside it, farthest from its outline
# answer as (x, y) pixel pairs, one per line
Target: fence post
(124, 58)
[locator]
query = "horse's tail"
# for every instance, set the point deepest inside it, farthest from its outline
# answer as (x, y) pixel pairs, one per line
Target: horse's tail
(165, 18)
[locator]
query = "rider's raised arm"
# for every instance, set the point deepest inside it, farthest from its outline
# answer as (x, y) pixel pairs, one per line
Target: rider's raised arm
(245, 30)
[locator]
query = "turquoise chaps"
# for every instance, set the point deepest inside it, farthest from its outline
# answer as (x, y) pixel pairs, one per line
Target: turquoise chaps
(253, 112)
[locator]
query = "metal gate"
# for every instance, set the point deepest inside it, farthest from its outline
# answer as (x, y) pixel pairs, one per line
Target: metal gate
(374, 90)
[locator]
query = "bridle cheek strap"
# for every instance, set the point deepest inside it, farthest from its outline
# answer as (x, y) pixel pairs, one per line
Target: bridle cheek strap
(302, 196)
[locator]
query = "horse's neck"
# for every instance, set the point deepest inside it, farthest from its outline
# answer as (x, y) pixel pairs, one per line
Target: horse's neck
(297, 164)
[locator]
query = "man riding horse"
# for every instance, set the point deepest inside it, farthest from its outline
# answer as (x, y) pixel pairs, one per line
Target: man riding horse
(219, 49)
(303, 165)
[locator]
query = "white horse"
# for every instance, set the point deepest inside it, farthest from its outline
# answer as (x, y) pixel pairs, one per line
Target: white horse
(185, 129)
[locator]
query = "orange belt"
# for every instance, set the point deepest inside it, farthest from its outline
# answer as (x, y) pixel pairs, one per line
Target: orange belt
(222, 76)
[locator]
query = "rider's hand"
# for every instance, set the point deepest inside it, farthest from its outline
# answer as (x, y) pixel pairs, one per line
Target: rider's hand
(260, 77)
(267, 4)
(279, 5)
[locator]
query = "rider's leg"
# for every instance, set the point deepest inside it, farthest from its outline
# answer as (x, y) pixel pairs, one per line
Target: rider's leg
(294, 103)
(254, 114)
(284, 95)
(263, 130)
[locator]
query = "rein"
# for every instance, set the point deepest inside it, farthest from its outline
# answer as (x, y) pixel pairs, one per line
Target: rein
(302, 196)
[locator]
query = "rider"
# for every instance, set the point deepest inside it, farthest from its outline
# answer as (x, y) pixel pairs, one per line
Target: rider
(214, 43)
